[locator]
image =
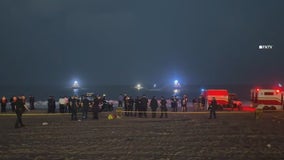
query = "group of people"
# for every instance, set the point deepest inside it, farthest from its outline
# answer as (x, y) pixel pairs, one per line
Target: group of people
(132, 107)
(4, 101)
(139, 105)
(84, 104)
(18, 105)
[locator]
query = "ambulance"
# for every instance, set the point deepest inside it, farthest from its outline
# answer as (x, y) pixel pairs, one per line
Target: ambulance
(267, 99)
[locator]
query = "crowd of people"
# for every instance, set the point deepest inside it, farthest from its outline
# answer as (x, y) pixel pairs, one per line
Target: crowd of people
(82, 104)
(132, 107)
(18, 105)
(5, 101)
(139, 105)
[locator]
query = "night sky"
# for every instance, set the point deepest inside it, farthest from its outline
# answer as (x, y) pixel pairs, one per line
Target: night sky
(114, 42)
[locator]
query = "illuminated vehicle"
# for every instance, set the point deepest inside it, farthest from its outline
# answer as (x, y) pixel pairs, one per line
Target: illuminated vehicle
(235, 101)
(267, 99)
(221, 96)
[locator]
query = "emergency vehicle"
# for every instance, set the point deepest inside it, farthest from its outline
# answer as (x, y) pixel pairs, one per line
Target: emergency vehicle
(267, 99)
(235, 101)
(221, 96)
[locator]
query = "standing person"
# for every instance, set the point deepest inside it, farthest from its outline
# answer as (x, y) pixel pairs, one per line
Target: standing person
(12, 103)
(137, 105)
(74, 107)
(154, 106)
(120, 100)
(164, 108)
(184, 101)
(49, 104)
(195, 104)
(86, 104)
(4, 102)
(174, 103)
(96, 107)
(32, 102)
(130, 106)
(20, 107)
(213, 107)
(66, 104)
(61, 104)
(203, 102)
(126, 105)
(144, 105)
(69, 105)
(53, 104)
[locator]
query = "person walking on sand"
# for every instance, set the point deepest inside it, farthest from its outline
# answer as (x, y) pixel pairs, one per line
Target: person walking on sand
(212, 108)
(20, 108)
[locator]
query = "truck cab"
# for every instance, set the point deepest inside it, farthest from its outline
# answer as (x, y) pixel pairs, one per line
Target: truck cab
(234, 101)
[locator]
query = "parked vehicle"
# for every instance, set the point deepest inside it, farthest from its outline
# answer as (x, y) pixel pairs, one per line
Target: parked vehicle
(267, 99)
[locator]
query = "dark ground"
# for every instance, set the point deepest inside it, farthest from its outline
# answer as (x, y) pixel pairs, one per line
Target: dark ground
(233, 135)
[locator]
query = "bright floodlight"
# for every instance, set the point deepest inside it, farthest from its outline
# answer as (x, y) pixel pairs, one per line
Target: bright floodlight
(75, 84)
(176, 82)
(138, 87)
(176, 91)
(155, 85)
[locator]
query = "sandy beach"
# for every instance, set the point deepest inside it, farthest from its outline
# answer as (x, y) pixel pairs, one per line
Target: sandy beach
(233, 135)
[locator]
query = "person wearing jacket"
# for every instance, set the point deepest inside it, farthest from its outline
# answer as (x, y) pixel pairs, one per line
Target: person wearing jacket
(212, 108)
(20, 108)
(4, 102)
(154, 106)
(164, 108)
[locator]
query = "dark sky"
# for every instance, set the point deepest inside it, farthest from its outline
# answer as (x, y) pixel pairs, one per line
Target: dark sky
(149, 41)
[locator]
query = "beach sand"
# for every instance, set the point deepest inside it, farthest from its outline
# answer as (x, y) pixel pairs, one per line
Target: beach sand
(233, 135)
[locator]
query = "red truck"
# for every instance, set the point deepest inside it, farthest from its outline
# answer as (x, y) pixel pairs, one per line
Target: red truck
(223, 97)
